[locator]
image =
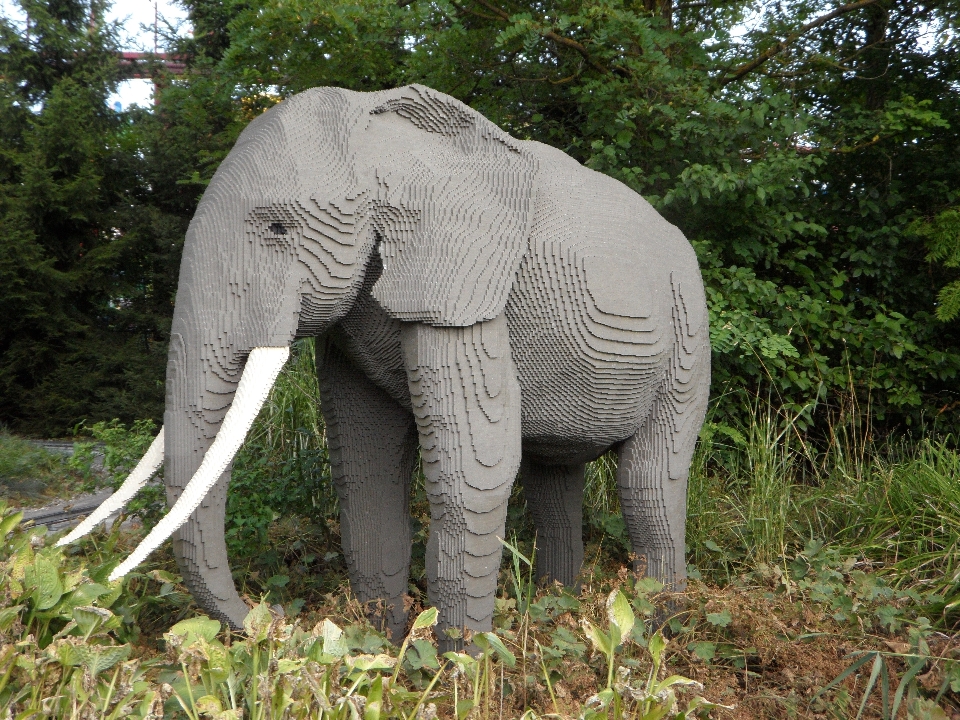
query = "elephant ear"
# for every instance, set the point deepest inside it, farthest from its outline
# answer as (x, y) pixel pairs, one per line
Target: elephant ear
(452, 209)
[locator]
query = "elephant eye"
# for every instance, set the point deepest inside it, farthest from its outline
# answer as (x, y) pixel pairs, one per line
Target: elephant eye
(277, 229)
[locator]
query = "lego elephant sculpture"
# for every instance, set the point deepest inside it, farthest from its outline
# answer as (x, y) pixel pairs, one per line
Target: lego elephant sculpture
(487, 298)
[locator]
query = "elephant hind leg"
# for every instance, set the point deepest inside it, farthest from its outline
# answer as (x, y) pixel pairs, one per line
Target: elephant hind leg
(372, 445)
(654, 463)
(554, 494)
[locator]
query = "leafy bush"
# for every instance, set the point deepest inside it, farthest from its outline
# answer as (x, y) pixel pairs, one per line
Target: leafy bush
(67, 634)
(283, 468)
(122, 448)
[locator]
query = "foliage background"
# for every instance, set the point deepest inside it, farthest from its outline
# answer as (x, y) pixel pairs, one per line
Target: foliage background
(809, 150)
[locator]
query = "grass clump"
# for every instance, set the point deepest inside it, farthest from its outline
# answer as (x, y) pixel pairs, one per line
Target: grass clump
(31, 475)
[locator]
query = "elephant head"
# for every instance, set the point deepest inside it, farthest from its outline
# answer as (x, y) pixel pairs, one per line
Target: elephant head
(278, 249)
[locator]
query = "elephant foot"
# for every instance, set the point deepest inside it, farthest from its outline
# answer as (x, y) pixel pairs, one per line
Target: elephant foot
(389, 617)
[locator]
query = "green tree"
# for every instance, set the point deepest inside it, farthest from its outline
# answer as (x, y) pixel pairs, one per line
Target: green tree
(84, 288)
(795, 154)
(942, 235)
(803, 146)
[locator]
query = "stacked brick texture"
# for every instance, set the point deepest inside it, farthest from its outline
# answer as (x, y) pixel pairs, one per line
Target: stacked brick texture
(487, 299)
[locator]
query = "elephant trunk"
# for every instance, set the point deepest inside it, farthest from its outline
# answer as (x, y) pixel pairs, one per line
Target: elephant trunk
(228, 343)
(203, 453)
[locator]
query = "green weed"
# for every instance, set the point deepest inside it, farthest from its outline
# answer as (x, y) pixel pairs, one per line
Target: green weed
(31, 475)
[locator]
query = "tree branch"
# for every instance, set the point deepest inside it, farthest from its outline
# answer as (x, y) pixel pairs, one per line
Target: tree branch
(782, 45)
(561, 40)
(469, 11)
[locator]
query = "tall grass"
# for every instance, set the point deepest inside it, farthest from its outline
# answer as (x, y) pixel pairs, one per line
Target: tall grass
(906, 511)
(760, 491)
(290, 420)
(283, 468)
(290, 430)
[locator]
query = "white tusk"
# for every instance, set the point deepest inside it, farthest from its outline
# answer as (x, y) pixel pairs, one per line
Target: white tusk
(262, 368)
(148, 465)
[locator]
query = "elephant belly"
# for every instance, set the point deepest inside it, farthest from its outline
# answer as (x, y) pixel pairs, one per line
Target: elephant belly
(590, 316)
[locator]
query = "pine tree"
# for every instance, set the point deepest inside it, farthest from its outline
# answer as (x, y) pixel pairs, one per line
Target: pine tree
(83, 290)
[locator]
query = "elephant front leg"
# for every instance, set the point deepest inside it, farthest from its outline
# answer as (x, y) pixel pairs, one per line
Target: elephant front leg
(466, 399)
(372, 444)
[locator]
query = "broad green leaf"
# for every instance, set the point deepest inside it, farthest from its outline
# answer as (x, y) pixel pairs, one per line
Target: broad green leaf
(21, 561)
(315, 653)
(333, 641)
(72, 580)
(463, 708)
(209, 705)
(112, 594)
(100, 660)
(421, 654)
(606, 697)
(651, 585)
(288, 666)
(257, 622)
(218, 659)
(704, 650)
(44, 577)
(615, 637)
(618, 609)
(462, 660)
(428, 618)
(720, 619)
(94, 658)
(656, 646)
(85, 594)
(508, 658)
(374, 700)
(90, 619)
(596, 636)
(374, 663)
(675, 680)
(196, 627)
(8, 523)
